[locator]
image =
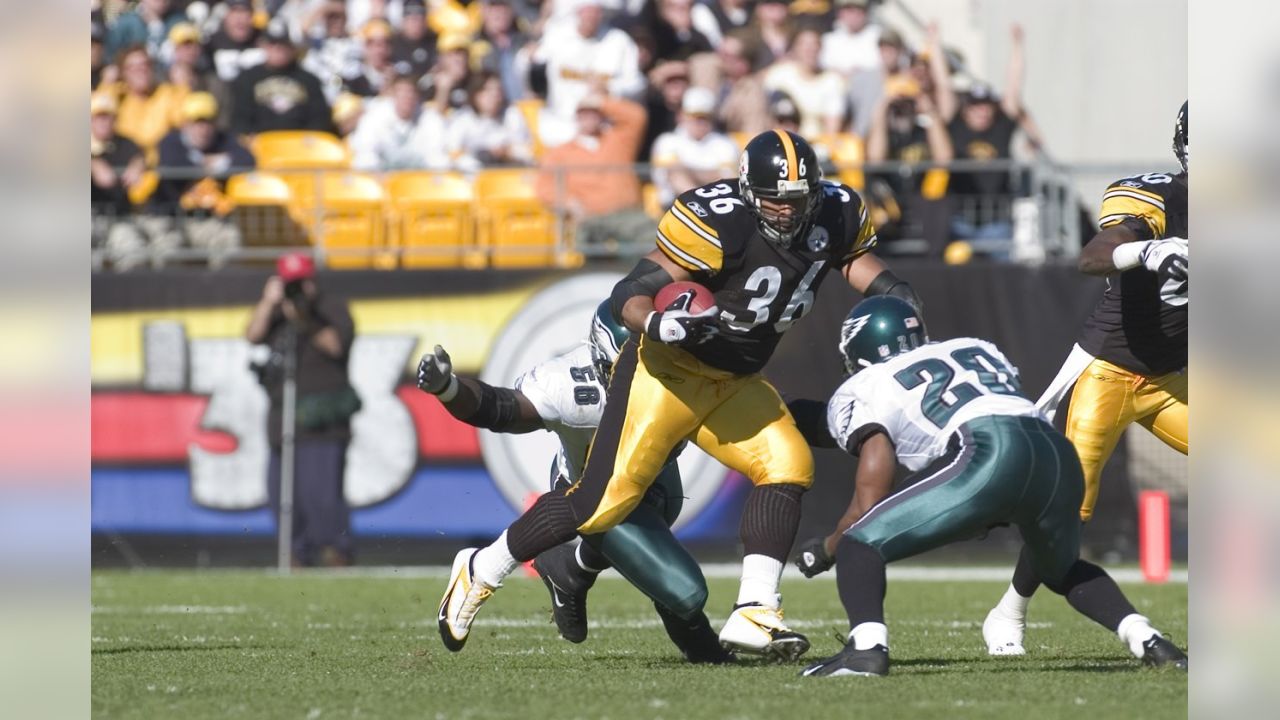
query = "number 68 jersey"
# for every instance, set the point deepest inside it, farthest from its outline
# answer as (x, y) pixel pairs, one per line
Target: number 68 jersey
(921, 397)
(760, 288)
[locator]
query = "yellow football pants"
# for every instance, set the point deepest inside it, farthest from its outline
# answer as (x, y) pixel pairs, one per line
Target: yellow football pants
(660, 395)
(1106, 399)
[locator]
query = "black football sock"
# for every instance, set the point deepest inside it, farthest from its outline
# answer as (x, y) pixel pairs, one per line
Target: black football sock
(770, 520)
(548, 523)
(1094, 594)
(1025, 580)
(860, 578)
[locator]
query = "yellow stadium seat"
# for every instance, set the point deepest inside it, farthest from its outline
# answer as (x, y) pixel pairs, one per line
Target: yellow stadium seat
(513, 225)
(848, 154)
(300, 150)
(263, 204)
(430, 218)
(350, 224)
(258, 189)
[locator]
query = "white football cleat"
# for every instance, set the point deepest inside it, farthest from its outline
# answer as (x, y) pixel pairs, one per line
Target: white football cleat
(1002, 634)
(755, 629)
(462, 600)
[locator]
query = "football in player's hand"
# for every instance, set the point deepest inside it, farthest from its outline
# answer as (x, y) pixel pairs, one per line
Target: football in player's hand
(684, 295)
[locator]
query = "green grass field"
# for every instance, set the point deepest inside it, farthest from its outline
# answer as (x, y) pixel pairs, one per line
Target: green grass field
(248, 644)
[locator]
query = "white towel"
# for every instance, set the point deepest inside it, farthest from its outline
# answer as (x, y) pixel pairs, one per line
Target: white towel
(1075, 364)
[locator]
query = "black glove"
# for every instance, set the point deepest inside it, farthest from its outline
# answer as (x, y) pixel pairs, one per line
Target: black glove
(813, 558)
(435, 371)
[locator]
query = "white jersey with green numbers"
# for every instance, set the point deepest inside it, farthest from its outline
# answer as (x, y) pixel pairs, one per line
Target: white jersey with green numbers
(921, 397)
(569, 397)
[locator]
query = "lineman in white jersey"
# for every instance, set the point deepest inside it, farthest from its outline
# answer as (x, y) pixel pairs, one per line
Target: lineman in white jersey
(951, 412)
(566, 395)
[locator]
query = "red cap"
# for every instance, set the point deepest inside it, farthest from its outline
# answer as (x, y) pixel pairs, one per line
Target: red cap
(295, 266)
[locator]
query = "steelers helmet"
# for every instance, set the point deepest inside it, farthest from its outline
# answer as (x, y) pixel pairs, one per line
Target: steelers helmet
(878, 328)
(780, 167)
(605, 340)
(1180, 137)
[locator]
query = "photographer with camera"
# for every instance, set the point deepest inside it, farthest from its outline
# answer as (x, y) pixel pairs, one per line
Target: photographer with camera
(907, 127)
(310, 335)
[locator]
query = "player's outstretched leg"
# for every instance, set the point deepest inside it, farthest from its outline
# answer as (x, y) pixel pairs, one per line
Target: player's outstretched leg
(477, 574)
(462, 599)
(1094, 594)
(860, 577)
(569, 571)
(1006, 624)
(768, 528)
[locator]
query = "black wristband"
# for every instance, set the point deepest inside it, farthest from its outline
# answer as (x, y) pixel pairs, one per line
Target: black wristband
(882, 284)
(646, 278)
(886, 283)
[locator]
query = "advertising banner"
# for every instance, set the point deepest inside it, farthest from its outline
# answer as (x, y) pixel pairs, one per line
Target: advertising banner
(179, 420)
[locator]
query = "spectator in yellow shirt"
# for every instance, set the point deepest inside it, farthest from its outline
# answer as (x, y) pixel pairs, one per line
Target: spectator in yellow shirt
(148, 110)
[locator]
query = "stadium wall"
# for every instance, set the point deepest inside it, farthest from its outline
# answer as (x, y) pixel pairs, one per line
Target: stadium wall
(179, 439)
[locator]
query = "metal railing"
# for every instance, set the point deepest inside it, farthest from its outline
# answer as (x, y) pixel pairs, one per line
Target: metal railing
(1041, 216)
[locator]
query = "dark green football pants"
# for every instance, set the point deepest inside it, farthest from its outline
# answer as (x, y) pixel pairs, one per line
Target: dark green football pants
(997, 470)
(645, 552)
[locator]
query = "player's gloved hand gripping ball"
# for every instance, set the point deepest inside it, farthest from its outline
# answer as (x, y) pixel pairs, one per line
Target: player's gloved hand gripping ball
(813, 558)
(689, 315)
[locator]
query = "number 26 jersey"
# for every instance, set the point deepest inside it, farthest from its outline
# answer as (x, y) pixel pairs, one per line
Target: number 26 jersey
(760, 288)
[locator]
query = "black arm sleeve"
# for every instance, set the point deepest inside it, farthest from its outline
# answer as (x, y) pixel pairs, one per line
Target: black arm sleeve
(811, 420)
(646, 278)
(496, 407)
(886, 283)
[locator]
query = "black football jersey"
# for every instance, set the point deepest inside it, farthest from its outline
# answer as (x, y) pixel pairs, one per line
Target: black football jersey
(1138, 324)
(761, 289)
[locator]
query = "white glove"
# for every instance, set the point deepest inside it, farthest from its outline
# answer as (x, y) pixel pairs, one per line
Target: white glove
(681, 327)
(1167, 258)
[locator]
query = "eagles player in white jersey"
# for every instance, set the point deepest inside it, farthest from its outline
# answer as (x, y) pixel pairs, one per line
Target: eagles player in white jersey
(566, 395)
(951, 412)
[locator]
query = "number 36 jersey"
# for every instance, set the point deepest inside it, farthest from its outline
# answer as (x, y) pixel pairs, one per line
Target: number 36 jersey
(921, 397)
(760, 288)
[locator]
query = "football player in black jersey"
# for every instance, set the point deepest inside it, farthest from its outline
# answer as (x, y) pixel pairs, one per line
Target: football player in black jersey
(1129, 362)
(762, 244)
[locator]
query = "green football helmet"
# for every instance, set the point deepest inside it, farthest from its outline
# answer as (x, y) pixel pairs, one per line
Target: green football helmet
(605, 340)
(878, 328)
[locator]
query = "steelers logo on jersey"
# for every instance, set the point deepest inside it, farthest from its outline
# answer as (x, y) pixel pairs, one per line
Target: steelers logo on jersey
(819, 239)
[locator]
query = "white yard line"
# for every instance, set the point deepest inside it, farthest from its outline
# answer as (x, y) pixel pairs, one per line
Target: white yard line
(171, 610)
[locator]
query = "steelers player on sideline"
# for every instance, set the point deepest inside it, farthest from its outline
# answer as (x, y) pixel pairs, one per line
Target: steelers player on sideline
(952, 412)
(1129, 363)
(566, 395)
(762, 245)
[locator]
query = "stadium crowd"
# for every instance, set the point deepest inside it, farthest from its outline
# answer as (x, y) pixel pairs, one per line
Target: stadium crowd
(675, 86)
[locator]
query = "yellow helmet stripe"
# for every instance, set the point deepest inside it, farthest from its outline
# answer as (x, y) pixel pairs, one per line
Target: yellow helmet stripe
(790, 148)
